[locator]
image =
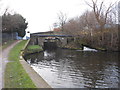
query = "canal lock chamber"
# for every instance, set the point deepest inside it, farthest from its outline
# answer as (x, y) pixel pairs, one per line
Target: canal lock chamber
(49, 45)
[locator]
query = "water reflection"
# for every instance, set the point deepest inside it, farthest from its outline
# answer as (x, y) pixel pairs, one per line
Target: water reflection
(77, 69)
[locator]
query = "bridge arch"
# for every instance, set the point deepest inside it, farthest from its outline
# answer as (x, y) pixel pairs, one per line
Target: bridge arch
(39, 39)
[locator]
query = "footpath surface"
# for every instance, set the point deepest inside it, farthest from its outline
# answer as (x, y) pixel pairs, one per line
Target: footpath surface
(3, 61)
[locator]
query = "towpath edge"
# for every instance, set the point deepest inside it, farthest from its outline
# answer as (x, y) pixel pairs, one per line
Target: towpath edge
(37, 79)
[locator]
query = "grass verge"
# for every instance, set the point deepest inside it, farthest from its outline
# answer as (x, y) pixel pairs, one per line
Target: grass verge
(30, 47)
(15, 75)
(33, 49)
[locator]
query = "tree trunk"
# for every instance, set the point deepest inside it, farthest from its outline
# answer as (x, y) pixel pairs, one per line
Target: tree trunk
(102, 35)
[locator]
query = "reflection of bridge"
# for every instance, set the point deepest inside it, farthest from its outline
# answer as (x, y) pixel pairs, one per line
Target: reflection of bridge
(49, 38)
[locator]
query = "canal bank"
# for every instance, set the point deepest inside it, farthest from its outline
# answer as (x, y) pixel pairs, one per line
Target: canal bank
(15, 75)
(30, 49)
(37, 79)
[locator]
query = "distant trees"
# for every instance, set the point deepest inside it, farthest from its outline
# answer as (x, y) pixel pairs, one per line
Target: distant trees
(14, 23)
(97, 28)
(72, 27)
(62, 20)
(101, 15)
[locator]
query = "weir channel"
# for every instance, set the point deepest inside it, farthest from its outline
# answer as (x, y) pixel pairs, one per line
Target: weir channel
(63, 68)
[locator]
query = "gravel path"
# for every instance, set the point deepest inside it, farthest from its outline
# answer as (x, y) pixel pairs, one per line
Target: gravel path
(3, 62)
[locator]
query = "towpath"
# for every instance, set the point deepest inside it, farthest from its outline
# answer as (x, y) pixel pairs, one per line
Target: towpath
(3, 61)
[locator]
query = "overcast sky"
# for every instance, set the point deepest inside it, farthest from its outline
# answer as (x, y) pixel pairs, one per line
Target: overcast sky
(41, 14)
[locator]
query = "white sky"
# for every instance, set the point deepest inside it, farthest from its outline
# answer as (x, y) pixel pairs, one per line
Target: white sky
(41, 14)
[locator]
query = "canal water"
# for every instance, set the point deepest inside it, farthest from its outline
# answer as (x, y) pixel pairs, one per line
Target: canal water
(63, 68)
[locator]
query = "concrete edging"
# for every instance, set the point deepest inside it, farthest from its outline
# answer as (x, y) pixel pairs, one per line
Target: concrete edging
(37, 79)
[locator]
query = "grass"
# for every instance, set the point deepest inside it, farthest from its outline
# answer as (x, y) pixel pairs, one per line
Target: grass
(33, 47)
(100, 48)
(15, 75)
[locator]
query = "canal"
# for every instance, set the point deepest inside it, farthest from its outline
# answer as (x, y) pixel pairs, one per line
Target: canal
(63, 68)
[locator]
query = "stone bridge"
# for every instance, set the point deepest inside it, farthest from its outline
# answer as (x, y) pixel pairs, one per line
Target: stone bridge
(41, 38)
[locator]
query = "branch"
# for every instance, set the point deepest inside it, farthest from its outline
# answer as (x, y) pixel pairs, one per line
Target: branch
(88, 4)
(5, 11)
(108, 10)
(101, 7)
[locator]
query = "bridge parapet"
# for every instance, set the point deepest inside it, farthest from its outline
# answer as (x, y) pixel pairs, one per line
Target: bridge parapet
(39, 39)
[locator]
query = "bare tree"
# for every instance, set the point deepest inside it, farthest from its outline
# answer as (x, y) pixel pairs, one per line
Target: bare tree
(119, 12)
(62, 19)
(71, 27)
(101, 14)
